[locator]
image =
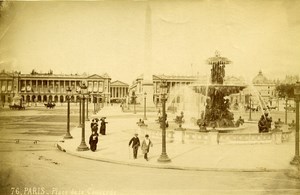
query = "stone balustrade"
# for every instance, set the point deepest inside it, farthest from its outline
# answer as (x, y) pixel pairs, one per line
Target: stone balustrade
(214, 137)
(249, 138)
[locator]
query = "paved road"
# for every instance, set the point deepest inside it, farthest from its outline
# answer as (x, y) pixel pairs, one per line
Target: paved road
(41, 167)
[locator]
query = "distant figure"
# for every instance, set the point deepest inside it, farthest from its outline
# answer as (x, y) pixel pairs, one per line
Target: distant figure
(268, 121)
(239, 122)
(146, 146)
(93, 141)
(262, 124)
(279, 121)
(103, 126)
(292, 125)
(92, 123)
(135, 145)
(95, 128)
(141, 123)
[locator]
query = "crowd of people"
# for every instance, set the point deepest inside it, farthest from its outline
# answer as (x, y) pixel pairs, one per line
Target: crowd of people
(93, 141)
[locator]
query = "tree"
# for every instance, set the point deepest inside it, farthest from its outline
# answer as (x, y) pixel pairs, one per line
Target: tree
(285, 90)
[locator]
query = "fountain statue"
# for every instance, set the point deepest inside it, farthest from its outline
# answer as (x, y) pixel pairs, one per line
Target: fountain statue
(217, 112)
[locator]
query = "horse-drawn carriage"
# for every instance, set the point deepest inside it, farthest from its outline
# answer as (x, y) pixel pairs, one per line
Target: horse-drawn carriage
(17, 103)
(16, 107)
(50, 105)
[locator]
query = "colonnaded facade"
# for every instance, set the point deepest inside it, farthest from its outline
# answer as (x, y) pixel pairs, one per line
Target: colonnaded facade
(118, 91)
(49, 87)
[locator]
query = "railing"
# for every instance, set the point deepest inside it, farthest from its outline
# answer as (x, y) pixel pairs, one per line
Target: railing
(239, 138)
(197, 137)
(187, 136)
(286, 136)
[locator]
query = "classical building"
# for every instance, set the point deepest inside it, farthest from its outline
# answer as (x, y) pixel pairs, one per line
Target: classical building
(172, 81)
(118, 91)
(39, 87)
(264, 88)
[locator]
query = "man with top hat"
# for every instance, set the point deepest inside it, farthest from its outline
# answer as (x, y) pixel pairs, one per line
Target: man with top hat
(135, 145)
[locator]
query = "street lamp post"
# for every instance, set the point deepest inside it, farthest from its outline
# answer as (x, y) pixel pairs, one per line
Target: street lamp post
(79, 125)
(128, 102)
(296, 159)
(250, 108)
(134, 102)
(173, 107)
(145, 96)
(164, 157)
(68, 135)
(83, 146)
(286, 108)
(87, 106)
(103, 99)
(94, 101)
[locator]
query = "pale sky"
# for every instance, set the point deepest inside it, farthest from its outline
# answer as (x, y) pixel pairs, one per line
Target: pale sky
(108, 37)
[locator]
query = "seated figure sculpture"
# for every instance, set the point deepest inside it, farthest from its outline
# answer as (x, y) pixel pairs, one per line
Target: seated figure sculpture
(262, 125)
(239, 122)
(292, 125)
(141, 123)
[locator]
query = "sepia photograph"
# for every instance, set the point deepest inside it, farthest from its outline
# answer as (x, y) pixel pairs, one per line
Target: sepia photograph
(154, 97)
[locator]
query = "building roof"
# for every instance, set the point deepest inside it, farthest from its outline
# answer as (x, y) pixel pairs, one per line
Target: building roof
(118, 83)
(232, 80)
(260, 79)
(174, 77)
(54, 76)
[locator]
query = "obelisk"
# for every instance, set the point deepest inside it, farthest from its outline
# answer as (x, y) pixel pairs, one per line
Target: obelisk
(147, 77)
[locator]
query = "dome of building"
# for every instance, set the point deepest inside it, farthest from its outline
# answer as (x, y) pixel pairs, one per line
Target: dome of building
(260, 79)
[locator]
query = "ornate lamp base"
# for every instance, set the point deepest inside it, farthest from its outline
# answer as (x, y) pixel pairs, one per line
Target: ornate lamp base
(82, 147)
(68, 136)
(164, 158)
(295, 161)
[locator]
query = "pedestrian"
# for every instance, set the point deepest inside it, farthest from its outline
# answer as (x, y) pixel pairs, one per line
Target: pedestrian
(146, 146)
(95, 127)
(93, 141)
(135, 145)
(103, 126)
(92, 123)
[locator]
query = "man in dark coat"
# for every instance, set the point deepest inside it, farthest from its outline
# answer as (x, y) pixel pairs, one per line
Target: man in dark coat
(135, 145)
(93, 141)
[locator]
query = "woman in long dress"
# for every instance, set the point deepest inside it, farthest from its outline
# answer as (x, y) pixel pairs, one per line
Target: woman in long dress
(146, 146)
(93, 141)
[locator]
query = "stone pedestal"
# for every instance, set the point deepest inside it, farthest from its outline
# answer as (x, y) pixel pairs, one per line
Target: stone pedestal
(170, 136)
(277, 137)
(180, 135)
(277, 134)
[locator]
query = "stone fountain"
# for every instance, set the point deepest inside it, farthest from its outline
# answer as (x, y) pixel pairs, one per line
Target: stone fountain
(215, 91)
(217, 112)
